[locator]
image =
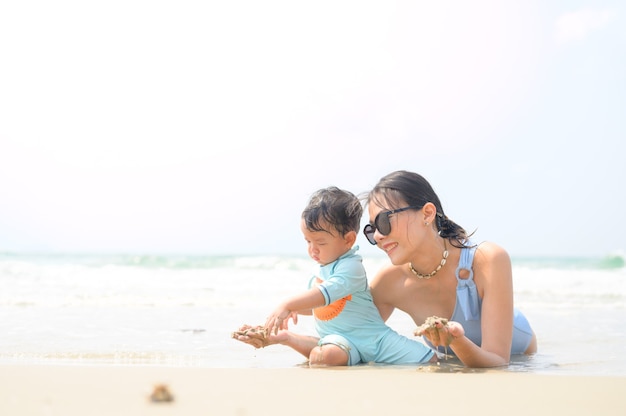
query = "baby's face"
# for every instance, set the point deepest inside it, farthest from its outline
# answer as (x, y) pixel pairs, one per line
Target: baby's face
(324, 246)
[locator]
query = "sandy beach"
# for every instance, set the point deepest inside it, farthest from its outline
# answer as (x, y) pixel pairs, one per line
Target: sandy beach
(86, 336)
(117, 390)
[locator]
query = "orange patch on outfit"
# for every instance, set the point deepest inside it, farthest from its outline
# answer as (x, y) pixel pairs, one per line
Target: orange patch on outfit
(330, 311)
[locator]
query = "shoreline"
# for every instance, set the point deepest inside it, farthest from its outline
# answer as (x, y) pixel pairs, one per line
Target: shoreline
(103, 390)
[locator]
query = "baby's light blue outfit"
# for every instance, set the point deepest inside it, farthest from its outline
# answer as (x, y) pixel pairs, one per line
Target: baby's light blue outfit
(467, 310)
(358, 328)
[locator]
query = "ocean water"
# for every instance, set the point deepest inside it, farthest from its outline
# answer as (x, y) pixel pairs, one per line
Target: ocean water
(181, 310)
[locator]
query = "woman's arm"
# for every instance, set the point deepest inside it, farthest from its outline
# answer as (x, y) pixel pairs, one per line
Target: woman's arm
(493, 277)
(380, 292)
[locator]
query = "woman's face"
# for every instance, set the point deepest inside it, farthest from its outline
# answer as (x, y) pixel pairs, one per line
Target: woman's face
(403, 231)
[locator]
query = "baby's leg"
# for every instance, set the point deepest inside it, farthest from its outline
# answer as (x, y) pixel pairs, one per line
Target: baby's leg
(328, 355)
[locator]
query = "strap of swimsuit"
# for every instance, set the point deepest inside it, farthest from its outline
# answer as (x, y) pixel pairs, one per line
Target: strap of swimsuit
(467, 295)
(465, 262)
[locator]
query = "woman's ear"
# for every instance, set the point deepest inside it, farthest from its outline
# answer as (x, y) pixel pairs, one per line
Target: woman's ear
(429, 211)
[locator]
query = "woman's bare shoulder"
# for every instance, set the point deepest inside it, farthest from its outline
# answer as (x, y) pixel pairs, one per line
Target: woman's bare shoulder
(489, 251)
(491, 259)
(386, 277)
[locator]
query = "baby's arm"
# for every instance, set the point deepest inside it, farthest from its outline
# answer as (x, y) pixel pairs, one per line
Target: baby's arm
(301, 343)
(308, 300)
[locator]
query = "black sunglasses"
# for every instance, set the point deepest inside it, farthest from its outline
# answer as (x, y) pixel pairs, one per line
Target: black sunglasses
(382, 224)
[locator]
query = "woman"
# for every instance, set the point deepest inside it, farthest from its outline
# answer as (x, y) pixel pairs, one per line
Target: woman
(436, 270)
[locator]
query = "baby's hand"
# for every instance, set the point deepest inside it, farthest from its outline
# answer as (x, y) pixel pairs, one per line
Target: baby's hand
(279, 319)
(257, 336)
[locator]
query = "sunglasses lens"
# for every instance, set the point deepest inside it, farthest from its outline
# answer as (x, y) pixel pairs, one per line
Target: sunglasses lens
(382, 223)
(369, 233)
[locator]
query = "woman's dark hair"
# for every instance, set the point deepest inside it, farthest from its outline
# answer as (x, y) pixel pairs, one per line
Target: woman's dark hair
(338, 208)
(412, 188)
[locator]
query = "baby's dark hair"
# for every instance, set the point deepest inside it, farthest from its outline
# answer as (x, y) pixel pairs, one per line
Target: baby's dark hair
(333, 207)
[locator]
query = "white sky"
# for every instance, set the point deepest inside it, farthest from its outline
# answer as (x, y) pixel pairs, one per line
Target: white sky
(203, 127)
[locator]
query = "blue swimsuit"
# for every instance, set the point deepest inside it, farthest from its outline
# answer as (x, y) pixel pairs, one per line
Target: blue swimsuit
(467, 310)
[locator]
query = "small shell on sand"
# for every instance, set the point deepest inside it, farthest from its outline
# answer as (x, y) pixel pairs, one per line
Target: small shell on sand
(161, 394)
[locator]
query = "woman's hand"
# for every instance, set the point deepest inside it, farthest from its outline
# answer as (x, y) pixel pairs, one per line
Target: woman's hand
(440, 331)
